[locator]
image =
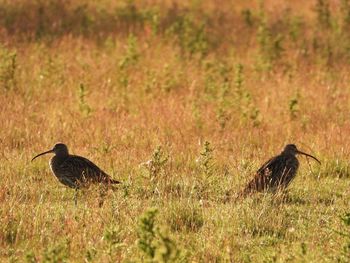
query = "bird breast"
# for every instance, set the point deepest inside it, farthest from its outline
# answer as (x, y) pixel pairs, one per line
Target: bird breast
(290, 170)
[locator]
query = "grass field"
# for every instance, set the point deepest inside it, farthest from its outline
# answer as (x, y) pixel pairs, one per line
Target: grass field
(206, 91)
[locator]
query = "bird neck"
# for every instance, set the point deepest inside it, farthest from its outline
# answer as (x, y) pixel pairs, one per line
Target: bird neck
(288, 153)
(60, 158)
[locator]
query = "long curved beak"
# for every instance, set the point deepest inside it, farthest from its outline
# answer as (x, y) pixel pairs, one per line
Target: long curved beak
(300, 152)
(51, 151)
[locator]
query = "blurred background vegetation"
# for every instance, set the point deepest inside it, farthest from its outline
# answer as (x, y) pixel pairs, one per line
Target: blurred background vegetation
(182, 101)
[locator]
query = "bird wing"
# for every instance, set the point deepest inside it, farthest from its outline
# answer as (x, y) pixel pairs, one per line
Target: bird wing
(280, 170)
(264, 176)
(79, 169)
(268, 166)
(277, 163)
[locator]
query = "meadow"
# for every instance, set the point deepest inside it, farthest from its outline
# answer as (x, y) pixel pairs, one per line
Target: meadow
(208, 91)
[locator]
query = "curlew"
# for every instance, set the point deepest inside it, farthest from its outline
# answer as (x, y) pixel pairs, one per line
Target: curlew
(276, 173)
(75, 171)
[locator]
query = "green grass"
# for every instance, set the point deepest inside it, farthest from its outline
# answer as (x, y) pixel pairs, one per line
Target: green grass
(182, 103)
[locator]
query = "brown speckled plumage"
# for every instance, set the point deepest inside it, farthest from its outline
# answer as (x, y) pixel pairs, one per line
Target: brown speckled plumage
(276, 173)
(75, 171)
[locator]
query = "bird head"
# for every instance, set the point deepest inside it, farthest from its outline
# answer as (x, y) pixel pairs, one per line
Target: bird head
(292, 149)
(59, 149)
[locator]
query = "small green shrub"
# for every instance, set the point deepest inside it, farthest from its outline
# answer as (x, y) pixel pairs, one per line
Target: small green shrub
(244, 100)
(8, 65)
(197, 114)
(155, 244)
(247, 17)
(345, 11)
(270, 44)
(155, 166)
(205, 160)
(30, 257)
(11, 231)
(345, 233)
(190, 35)
(323, 13)
(294, 106)
(58, 252)
(346, 219)
(90, 255)
(132, 54)
(225, 96)
(84, 107)
(113, 239)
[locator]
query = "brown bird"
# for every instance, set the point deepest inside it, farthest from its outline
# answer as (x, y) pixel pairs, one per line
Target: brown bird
(276, 173)
(75, 171)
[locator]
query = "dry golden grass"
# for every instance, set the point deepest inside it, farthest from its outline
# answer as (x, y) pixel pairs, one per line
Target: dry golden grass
(115, 81)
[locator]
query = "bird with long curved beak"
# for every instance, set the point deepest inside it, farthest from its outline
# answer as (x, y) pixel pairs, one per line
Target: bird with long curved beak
(75, 171)
(276, 173)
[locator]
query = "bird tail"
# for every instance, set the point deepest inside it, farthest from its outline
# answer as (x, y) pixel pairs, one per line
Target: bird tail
(107, 180)
(111, 181)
